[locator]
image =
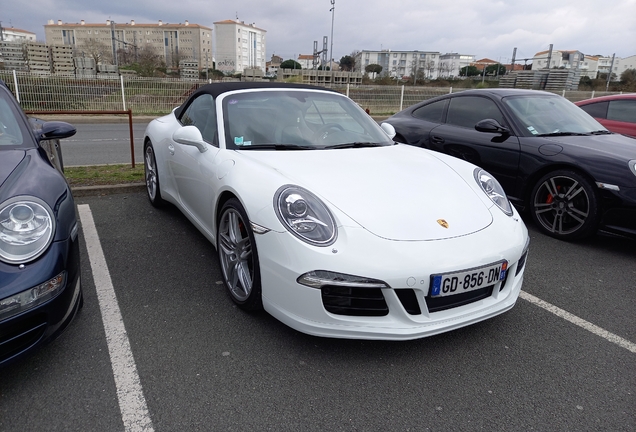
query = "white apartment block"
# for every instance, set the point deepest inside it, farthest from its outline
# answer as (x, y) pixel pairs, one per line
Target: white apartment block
(239, 46)
(173, 42)
(590, 66)
(451, 63)
(400, 63)
(12, 34)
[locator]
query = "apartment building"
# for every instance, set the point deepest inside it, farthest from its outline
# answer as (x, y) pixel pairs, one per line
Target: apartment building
(239, 46)
(587, 65)
(12, 34)
(400, 63)
(451, 63)
(173, 42)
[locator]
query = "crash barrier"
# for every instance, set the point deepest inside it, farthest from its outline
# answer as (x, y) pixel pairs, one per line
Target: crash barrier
(159, 96)
(94, 112)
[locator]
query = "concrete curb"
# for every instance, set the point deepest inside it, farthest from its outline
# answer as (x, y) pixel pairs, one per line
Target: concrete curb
(83, 191)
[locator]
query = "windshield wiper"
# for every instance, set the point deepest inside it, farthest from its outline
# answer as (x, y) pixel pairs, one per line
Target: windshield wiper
(601, 132)
(562, 134)
(275, 147)
(354, 145)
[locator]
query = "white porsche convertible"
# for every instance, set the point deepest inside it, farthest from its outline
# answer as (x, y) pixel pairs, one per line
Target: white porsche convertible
(322, 220)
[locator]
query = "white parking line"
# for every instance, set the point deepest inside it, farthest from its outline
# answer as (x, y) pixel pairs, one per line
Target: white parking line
(132, 403)
(624, 343)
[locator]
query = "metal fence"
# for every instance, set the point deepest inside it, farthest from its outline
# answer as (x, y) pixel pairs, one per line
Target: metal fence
(155, 96)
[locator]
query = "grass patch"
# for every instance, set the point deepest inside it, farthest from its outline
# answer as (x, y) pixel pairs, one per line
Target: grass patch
(96, 175)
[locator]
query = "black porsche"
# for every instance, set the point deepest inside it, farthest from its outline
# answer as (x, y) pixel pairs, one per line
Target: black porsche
(40, 289)
(552, 158)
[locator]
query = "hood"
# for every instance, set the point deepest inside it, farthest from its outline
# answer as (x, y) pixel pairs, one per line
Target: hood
(9, 159)
(398, 192)
(616, 145)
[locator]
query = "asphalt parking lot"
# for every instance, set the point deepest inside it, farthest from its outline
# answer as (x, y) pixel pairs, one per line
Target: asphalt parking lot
(196, 362)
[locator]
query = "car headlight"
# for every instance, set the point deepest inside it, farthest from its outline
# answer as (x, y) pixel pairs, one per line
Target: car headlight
(493, 189)
(26, 229)
(632, 166)
(305, 216)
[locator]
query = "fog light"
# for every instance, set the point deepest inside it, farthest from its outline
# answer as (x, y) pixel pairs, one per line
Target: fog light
(32, 297)
(320, 278)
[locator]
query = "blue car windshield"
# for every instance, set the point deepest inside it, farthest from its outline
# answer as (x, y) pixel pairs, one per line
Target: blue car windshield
(297, 120)
(546, 114)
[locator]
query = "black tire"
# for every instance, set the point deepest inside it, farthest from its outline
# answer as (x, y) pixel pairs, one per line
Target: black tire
(564, 205)
(238, 256)
(151, 174)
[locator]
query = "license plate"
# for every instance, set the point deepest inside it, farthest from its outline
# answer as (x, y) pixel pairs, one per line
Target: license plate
(468, 280)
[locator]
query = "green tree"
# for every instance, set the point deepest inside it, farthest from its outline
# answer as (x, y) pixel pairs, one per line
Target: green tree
(347, 63)
(290, 64)
(628, 77)
(373, 68)
(496, 69)
(469, 71)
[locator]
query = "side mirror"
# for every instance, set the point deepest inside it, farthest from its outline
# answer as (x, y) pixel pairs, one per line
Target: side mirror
(492, 126)
(388, 129)
(190, 135)
(56, 130)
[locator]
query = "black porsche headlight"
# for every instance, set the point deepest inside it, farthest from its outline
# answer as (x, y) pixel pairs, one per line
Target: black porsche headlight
(26, 229)
(493, 189)
(305, 216)
(632, 166)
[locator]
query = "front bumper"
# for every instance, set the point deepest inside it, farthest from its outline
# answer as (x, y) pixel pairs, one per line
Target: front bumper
(34, 327)
(405, 267)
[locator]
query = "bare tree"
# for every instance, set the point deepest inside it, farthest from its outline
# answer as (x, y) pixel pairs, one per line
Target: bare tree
(97, 50)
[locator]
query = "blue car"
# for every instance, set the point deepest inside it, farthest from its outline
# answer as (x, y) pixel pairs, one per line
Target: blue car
(40, 289)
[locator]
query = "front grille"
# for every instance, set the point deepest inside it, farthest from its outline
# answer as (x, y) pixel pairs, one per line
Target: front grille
(409, 301)
(26, 334)
(436, 304)
(354, 301)
(520, 263)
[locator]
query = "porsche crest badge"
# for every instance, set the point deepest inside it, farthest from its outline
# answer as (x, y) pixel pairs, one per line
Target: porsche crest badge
(442, 222)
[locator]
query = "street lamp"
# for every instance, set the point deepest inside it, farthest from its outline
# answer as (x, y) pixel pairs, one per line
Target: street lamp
(333, 11)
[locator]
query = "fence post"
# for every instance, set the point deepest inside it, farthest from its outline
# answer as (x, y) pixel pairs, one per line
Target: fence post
(347, 89)
(123, 97)
(402, 98)
(450, 90)
(592, 94)
(15, 83)
(563, 94)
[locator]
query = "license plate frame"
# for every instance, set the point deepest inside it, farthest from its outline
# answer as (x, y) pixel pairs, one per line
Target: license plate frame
(457, 282)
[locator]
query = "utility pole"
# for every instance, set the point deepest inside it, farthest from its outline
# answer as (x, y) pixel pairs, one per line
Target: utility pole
(609, 74)
(113, 39)
(1, 32)
(333, 12)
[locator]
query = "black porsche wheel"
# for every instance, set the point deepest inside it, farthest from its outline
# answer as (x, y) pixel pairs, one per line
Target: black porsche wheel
(152, 177)
(564, 205)
(238, 257)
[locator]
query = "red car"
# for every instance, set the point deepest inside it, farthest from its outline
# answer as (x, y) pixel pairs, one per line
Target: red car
(616, 112)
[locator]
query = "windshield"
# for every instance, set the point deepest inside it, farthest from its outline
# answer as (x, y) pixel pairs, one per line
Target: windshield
(297, 120)
(546, 114)
(10, 133)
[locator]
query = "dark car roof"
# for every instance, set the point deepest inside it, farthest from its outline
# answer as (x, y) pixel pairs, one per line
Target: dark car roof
(503, 92)
(607, 98)
(217, 89)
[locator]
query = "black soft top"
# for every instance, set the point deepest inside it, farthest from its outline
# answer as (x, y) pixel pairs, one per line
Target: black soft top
(217, 89)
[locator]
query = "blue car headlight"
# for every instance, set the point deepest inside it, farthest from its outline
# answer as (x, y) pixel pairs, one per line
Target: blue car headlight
(26, 229)
(305, 216)
(493, 189)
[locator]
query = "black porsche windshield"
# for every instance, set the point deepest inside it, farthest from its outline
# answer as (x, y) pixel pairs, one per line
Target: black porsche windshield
(552, 115)
(297, 120)
(11, 133)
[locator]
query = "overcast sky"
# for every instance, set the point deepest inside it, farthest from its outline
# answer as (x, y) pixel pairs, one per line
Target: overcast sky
(483, 28)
